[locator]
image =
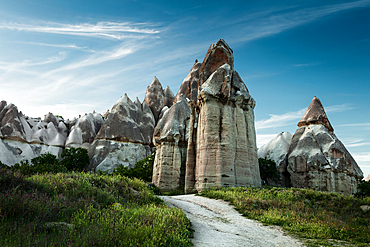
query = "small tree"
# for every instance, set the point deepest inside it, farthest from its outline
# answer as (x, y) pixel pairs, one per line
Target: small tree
(268, 171)
(143, 169)
(75, 158)
(363, 189)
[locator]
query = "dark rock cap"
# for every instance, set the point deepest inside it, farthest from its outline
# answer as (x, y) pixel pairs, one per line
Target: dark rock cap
(315, 114)
(217, 55)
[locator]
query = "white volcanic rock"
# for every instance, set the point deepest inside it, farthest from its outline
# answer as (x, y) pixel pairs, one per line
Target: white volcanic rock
(12, 152)
(170, 139)
(84, 130)
(13, 124)
(108, 154)
(226, 138)
(318, 159)
(127, 131)
(276, 149)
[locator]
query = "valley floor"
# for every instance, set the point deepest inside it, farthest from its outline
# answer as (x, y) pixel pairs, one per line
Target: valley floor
(216, 223)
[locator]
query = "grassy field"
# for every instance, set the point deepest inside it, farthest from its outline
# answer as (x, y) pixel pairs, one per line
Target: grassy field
(319, 218)
(85, 209)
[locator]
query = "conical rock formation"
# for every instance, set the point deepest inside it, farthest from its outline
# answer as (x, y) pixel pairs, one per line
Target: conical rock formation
(155, 98)
(318, 159)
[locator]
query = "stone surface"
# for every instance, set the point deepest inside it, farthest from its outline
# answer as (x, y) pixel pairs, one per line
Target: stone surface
(12, 152)
(105, 155)
(226, 138)
(191, 150)
(84, 131)
(21, 142)
(168, 97)
(318, 159)
(315, 114)
(170, 139)
(125, 136)
(13, 125)
(365, 207)
(217, 55)
(154, 97)
(189, 87)
(276, 150)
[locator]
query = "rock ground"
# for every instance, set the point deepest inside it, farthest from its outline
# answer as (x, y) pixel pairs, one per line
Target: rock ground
(216, 223)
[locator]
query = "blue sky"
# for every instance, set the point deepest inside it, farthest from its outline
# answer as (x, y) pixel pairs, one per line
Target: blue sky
(73, 57)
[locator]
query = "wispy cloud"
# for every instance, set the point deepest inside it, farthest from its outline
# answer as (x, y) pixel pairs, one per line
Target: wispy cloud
(112, 30)
(67, 46)
(280, 120)
(292, 117)
(361, 157)
(339, 108)
(356, 125)
(274, 23)
(28, 63)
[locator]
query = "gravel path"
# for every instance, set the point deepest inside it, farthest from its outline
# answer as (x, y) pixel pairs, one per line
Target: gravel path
(216, 223)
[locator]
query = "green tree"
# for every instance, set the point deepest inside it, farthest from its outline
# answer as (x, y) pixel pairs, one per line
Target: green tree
(75, 158)
(143, 169)
(363, 189)
(268, 171)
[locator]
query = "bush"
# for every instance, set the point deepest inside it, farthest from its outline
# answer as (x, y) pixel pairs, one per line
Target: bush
(44, 163)
(75, 159)
(363, 189)
(269, 172)
(143, 169)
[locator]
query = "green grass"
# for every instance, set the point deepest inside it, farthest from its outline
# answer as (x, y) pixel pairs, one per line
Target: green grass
(103, 210)
(322, 219)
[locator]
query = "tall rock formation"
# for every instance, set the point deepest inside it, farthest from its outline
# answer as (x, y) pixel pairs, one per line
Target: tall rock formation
(155, 98)
(125, 136)
(168, 97)
(189, 87)
(226, 138)
(170, 139)
(317, 158)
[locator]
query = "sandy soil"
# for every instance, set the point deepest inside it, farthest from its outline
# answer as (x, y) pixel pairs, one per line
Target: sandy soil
(216, 223)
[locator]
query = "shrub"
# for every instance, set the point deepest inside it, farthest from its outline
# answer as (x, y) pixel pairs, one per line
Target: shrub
(44, 163)
(143, 169)
(75, 159)
(363, 189)
(268, 170)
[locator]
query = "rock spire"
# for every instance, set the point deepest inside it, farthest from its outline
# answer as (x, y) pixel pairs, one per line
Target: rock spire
(315, 114)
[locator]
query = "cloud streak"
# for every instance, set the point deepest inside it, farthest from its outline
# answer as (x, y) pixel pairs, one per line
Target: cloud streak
(292, 117)
(28, 63)
(112, 30)
(274, 23)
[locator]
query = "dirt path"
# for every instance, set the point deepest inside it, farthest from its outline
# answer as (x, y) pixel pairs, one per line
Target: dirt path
(216, 223)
